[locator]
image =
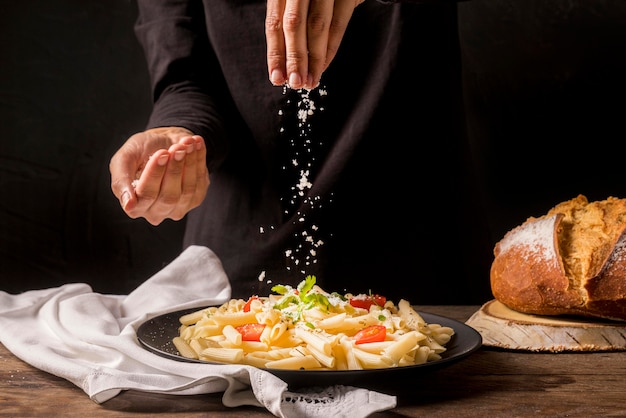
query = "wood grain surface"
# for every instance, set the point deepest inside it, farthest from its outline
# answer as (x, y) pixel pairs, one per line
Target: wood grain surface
(505, 328)
(491, 382)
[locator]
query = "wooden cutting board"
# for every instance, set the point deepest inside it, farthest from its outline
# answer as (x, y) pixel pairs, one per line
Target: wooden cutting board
(505, 328)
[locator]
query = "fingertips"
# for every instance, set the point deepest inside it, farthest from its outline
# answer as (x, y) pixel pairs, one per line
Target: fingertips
(275, 40)
(296, 43)
(199, 142)
(277, 77)
(191, 143)
(312, 80)
(295, 81)
(125, 199)
(157, 160)
(200, 150)
(130, 202)
(179, 154)
(162, 160)
(150, 181)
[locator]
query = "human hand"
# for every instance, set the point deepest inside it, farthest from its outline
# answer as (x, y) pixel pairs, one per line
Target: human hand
(170, 165)
(303, 37)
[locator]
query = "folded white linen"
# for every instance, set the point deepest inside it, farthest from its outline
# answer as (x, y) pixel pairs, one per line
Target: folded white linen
(90, 339)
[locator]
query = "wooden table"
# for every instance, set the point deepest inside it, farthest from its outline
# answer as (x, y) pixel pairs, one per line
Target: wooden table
(490, 382)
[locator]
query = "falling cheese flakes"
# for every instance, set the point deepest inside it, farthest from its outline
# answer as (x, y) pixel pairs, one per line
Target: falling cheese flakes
(299, 256)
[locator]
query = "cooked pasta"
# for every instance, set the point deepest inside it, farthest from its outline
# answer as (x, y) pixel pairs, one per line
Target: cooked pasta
(309, 328)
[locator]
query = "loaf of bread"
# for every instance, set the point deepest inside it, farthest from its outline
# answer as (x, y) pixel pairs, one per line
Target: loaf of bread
(570, 261)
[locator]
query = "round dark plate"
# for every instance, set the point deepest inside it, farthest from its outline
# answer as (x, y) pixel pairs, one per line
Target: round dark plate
(156, 335)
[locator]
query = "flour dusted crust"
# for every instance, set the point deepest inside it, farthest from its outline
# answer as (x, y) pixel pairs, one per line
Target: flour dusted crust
(571, 261)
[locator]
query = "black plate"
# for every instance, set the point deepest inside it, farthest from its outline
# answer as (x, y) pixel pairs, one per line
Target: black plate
(156, 335)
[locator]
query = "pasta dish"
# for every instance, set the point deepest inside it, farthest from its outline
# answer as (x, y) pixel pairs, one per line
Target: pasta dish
(308, 328)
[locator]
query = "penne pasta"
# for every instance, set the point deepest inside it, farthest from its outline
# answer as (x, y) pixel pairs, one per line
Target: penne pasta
(276, 332)
(269, 317)
(351, 360)
(253, 360)
(252, 346)
(222, 355)
(370, 360)
(199, 344)
(308, 328)
(403, 345)
(235, 319)
(203, 331)
(320, 341)
(193, 317)
(232, 335)
(353, 325)
(333, 322)
(412, 319)
(376, 347)
(184, 348)
(341, 360)
(294, 363)
(327, 360)
(421, 354)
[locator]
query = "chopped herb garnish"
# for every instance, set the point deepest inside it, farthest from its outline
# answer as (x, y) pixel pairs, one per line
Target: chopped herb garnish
(301, 298)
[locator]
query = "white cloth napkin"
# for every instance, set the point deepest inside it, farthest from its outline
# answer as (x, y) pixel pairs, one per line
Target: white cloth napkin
(90, 339)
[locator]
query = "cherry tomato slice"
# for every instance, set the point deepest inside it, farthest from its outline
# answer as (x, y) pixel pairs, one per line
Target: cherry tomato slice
(371, 334)
(251, 332)
(365, 301)
(246, 307)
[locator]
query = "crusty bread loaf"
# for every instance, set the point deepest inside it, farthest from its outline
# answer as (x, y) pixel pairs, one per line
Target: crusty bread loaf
(571, 261)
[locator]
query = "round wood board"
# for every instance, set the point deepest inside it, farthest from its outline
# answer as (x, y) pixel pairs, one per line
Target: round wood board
(505, 328)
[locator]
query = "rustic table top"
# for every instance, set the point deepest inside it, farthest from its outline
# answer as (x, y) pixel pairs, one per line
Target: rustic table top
(490, 382)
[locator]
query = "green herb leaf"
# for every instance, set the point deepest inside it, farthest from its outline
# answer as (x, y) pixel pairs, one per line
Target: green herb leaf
(280, 289)
(285, 301)
(306, 285)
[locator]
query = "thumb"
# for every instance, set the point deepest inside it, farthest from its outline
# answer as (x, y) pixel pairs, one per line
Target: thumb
(128, 199)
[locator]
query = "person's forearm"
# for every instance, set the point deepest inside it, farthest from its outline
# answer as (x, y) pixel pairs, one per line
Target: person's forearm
(186, 80)
(187, 106)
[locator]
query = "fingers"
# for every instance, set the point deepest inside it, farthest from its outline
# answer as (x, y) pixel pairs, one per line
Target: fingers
(296, 46)
(303, 37)
(188, 183)
(286, 37)
(276, 57)
(195, 177)
(173, 182)
(202, 172)
(121, 185)
(342, 14)
(124, 165)
(160, 174)
(319, 21)
(148, 189)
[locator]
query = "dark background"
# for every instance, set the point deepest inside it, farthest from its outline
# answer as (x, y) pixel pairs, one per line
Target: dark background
(73, 88)
(545, 93)
(545, 87)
